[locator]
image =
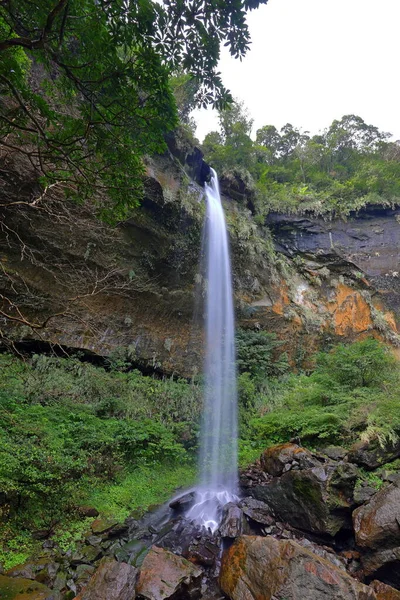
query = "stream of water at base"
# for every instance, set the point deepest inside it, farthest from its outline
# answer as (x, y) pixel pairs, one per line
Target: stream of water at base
(218, 441)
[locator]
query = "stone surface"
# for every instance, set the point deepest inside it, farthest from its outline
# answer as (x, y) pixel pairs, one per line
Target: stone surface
(274, 460)
(318, 500)
(103, 525)
(231, 523)
(383, 564)
(111, 581)
(257, 510)
(334, 452)
(372, 455)
(164, 574)
(184, 502)
(19, 588)
(256, 568)
(384, 592)
(363, 493)
(376, 524)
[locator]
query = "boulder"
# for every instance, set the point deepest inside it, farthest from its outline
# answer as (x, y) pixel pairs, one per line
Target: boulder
(334, 452)
(372, 454)
(232, 521)
(257, 510)
(42, 570)
(376, 524)
(25, 589)
(100, 526)
(111, 581)
(190, 541)
(317, 500)
(256, 568)
(383, 564)
(164, 574)
(184, 502)
(384, 592)
(277, 459)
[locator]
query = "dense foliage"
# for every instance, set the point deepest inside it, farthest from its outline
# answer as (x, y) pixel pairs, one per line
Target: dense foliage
(85, 85)
(63, 422)
(352, 393)
(347, 166)
(72, 433)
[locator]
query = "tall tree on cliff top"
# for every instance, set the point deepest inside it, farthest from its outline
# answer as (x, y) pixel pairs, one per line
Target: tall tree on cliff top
(84, 83)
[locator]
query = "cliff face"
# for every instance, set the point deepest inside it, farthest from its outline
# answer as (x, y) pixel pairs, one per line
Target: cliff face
(70, 281)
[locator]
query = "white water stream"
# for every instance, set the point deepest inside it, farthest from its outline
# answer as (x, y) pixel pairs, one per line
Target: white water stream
(218, 442)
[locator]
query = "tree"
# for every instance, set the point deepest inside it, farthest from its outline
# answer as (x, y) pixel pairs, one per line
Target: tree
(84, 84)
(233, 146)
(269, 138)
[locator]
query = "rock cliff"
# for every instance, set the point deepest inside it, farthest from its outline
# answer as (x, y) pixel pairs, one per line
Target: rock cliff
(69, 281)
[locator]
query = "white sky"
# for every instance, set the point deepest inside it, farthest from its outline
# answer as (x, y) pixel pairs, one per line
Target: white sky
(312, 61)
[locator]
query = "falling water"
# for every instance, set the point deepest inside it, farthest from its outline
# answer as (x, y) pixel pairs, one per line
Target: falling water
(218, 442)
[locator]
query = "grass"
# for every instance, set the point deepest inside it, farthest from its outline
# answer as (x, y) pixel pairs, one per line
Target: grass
(140, 489)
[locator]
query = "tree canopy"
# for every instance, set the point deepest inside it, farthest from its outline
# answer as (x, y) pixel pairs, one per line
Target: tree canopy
(348, 165)
(85, 87)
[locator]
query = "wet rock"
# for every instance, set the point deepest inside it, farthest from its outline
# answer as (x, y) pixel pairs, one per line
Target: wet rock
(133, 552)
(318, 500)
(277, 459)
(103, 525)
(15, 588)
(42, 570)
(363, 493)
(111, 581)
(94, 540)
(334, 452)
(164, 574)
(256, 567)
(60, 581)
(257, 510)
(372, 455)
(384, 564)
(183, 503)
(253, 475)
(86, 555)
(376, 524)
(204, 551)
(323, 552)
(191, 541)
(231, 523)
(384, 592)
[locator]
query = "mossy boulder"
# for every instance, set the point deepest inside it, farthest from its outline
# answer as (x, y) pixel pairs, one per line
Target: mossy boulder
(318, 500)
(19, 588)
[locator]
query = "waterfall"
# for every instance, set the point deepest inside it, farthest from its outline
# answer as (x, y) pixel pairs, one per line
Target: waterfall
(218, 441)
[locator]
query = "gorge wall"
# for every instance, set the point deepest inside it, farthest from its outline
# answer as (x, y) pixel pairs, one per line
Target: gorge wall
(70, 282)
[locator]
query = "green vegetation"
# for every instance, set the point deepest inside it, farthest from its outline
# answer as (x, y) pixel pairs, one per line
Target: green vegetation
(73, 435)
(352, 393)
(85, 85)
(349, 165)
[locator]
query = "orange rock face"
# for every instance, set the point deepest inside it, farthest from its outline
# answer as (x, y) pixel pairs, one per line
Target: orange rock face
(263, 568)
(274, 459)
(351, 313)
(385, 592)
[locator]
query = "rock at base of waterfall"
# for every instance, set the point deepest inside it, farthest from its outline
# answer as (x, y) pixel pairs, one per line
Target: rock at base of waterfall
(111, 581)
(231, 525)
(164, 574)
(263, 567)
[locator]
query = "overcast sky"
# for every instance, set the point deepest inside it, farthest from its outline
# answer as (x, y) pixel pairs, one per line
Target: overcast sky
(312, 61)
